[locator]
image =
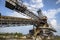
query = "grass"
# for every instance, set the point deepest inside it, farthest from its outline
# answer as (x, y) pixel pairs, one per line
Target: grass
(57, 38)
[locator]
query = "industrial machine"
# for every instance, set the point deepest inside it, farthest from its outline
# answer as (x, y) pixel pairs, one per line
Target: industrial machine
(41, 30)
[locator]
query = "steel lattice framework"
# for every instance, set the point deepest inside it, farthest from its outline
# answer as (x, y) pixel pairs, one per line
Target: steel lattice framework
(42, 28)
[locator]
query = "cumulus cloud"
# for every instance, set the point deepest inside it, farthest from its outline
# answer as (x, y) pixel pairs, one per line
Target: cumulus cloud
(38, 4)
(50, 13)
(58, 1)
(54, 22)
(35, 4)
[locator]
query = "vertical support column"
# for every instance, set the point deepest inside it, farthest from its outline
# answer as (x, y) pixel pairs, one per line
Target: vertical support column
(40, 13)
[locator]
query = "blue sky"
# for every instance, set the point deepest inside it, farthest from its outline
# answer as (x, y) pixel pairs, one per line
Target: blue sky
(50, 8)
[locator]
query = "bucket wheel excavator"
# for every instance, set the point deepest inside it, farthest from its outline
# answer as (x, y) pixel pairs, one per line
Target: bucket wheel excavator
(41, 28)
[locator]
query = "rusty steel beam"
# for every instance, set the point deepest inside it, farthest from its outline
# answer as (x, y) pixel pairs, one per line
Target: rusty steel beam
(7, 20)
(14, 5)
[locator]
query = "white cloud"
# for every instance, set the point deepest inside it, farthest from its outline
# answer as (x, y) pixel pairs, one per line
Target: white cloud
(35, 4)
(53, 22)
(58, 1)
(36, 0)
(38, 4)
(51, 13)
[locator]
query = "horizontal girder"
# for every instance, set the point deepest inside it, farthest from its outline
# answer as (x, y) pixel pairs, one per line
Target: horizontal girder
(13, 5)
(7, 20)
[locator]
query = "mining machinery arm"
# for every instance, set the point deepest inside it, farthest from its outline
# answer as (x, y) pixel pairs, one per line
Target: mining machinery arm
(42, 28)
(20, 7)
(9, 21)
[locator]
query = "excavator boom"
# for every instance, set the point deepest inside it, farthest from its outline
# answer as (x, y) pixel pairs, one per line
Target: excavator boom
(20, 7)
(8, 20)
